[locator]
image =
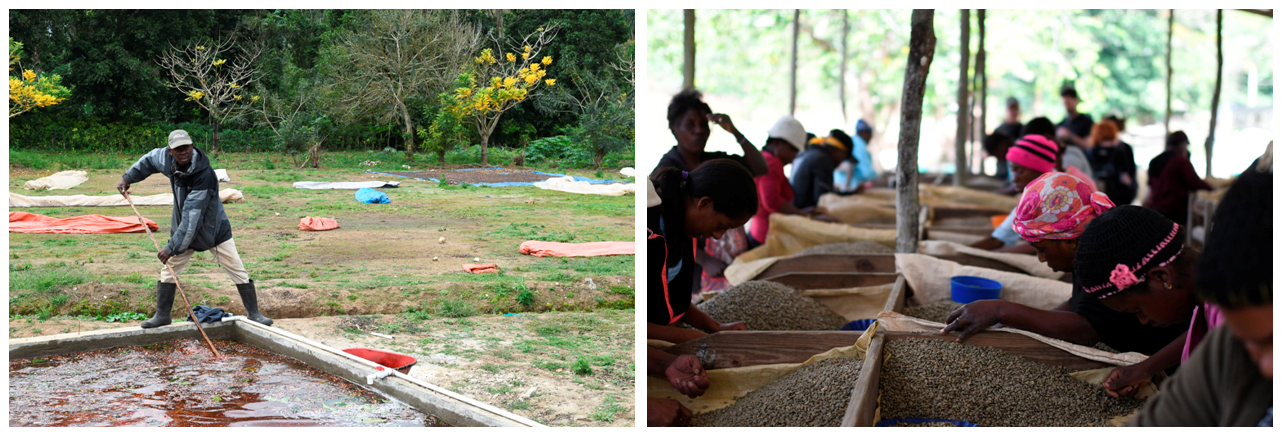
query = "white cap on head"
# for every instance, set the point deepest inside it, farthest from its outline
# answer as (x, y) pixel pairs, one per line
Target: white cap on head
(179, 137)
(790, 130)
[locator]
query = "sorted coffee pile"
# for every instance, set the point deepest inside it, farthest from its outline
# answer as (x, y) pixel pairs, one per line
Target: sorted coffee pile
(930, 378)
(936, 312)
(180, 384)
(815, 395)
(855, 248)
(764, 305)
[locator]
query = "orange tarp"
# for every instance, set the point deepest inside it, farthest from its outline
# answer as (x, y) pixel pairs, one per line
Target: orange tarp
(23, 222)
(310, 223)
(544, 248)
(482, 268)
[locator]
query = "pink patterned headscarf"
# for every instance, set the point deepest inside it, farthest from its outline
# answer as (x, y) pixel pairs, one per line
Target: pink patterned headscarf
(1057, 206)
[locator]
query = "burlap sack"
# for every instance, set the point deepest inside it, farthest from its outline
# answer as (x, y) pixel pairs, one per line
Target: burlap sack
(1026, 263)
(729, 384)
(788, 234)
(929, 279)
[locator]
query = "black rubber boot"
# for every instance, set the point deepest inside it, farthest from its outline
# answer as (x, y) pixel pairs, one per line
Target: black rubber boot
(164, 301)
(248, 299)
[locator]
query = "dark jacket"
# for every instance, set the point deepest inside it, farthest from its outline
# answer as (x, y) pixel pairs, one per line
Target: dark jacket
(670, 266)
(197, 221)
(813, 177)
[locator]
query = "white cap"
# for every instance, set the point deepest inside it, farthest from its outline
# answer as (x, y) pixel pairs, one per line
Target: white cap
(179, 137)
(790, 130)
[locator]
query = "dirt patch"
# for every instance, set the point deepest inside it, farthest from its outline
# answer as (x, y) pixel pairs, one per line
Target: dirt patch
(478, 175)
(96, 298)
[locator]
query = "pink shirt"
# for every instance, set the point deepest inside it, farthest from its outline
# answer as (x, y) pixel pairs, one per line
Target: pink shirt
(1204, 318)
(774, 191)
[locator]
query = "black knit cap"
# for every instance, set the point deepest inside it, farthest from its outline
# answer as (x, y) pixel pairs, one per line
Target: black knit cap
(1136, 237)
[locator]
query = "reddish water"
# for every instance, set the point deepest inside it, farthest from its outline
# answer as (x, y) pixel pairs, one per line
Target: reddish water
(180, 384)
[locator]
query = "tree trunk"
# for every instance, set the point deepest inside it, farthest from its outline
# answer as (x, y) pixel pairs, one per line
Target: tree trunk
(689, 49)
(843, 63)
(962, 101)
(794, 59)
(980, 74)
(1169, 71)
(409, 135)
(486, 134)
(1214, 104)
(908, 171)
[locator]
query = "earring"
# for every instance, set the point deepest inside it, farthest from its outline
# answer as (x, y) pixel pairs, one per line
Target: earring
(1167, 285)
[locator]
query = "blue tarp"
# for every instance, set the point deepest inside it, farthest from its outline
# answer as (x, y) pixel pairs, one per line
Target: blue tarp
(503, 184)
(371, 196)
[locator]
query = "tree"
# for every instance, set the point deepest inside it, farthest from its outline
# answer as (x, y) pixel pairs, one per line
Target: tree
(499, 83)
(31, 90)
(393, 58)
(204, 73)
(603, 107)
(918, 60)
(445, 129)
(962, 102)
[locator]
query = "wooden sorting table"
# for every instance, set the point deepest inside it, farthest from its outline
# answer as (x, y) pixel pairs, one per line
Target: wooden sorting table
(865, 401)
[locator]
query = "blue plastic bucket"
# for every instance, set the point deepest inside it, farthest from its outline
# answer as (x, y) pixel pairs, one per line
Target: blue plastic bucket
(892, 422)
(859, 325)
(968, 289)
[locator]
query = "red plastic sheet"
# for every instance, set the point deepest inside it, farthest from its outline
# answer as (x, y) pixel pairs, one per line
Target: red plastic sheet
(317, 224)
(545, 249)
(23, 222)
(482, 268)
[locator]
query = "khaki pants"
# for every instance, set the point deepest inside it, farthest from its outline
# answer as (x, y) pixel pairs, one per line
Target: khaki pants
(225, 254)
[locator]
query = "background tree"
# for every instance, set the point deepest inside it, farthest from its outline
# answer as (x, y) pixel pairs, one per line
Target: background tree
(31, 90)
(446, 130)
(390, 59)
(205, 73)
(604, 107)
(498, 82)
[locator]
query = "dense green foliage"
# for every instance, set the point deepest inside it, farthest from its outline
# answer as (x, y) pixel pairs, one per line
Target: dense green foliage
(120, 102)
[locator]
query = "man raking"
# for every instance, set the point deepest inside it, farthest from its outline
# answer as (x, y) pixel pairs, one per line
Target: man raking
(199, 223)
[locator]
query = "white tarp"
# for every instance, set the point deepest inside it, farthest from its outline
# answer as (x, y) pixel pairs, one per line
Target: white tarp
(113, 200)
(1027, 263)
(568, 184)
(222, 174)
(58, 181)
(345, 185)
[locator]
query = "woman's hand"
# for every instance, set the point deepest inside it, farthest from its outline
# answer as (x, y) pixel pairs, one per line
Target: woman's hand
(975, 317)
(732, 326)
(666, 413)
(687, 376)
(1126, 381)
(724, 122)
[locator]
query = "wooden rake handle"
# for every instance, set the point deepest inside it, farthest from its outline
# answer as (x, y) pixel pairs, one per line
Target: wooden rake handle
(176, 277)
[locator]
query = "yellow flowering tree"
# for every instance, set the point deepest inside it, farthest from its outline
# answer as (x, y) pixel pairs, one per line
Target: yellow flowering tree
(31, 90)
(214, 75)
(498, 82)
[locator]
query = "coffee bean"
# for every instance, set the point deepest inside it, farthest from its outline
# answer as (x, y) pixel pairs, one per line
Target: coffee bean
(814, 395)
(936, 312)
(766, 305)
(929, 378)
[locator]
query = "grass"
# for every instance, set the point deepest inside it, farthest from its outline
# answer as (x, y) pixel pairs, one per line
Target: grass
(608, 410)
(485, 222)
